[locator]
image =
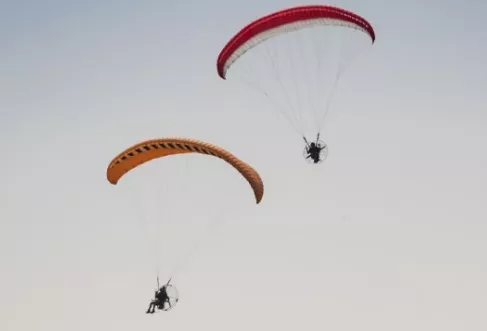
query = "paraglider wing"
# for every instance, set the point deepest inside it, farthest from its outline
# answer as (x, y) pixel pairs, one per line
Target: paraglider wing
(156, 148)
(285, 21)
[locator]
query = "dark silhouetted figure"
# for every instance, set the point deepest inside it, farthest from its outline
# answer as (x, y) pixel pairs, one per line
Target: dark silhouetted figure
(159, 301)
(314, 149)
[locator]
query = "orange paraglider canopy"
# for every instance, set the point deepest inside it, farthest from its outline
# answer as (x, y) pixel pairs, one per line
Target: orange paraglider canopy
(148, 150)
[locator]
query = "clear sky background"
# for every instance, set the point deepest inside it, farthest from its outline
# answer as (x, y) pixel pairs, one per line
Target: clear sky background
(387, 234)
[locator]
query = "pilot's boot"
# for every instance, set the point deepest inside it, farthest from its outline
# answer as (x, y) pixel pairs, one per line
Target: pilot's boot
(149, 309)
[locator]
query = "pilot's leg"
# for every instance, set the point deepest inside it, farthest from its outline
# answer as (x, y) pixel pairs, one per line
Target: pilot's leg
(155, 303)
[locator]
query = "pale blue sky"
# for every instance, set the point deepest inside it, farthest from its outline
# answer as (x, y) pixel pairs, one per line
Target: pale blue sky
(387, 234)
